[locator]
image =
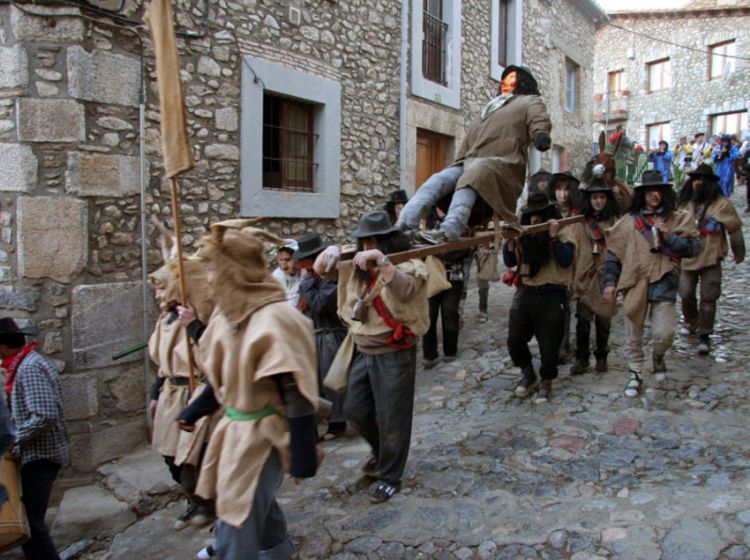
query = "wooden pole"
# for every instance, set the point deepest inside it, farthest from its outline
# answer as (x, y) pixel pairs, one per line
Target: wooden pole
(181, 270)
(465, 242)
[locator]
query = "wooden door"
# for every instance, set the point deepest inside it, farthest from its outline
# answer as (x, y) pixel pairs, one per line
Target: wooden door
(432, 153)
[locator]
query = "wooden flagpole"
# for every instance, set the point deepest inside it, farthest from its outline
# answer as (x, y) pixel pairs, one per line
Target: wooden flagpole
(181, 272)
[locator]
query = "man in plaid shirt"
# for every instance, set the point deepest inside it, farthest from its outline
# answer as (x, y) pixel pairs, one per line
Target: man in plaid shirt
(33, 386)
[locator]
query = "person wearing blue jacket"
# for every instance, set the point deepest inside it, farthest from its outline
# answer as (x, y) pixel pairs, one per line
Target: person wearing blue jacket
(724, 157)
(662, 159)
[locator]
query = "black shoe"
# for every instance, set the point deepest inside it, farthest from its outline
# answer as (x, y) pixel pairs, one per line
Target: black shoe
(370, 468)
(704, 345)
(579, 367)
(183, 520)
(660, 368)
(545, 392)
(601, 365)
(527, 384)
(383, 491)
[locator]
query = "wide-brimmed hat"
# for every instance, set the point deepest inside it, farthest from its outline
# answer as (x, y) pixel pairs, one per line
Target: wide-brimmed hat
(309, 245)
(537, 202)
(9, 326)
(597, 184)
(398, 197)
(704, 170)
(373, 224)
(563, 177)
(651, 178)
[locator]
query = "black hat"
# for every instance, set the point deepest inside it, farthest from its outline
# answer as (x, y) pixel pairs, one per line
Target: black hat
(398, 197)
(540, 172)
(8, 326)
(512, 68)
(704, 170)
(309, 245)
(598, 184)
(537, 202)
(373, 224)
(651, 178)
(562, 177)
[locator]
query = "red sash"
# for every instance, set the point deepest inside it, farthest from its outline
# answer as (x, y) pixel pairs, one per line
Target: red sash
(402, 337)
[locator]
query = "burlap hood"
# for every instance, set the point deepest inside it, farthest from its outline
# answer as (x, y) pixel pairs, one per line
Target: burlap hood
(197, 289)
(241, 282)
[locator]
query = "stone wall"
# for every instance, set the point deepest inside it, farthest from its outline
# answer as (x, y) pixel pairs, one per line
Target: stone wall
(69, 147)
(692, 98)
(554, 31)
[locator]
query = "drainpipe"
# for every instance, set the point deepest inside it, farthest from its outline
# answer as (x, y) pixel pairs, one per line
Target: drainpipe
(144, 233)
(402, 95)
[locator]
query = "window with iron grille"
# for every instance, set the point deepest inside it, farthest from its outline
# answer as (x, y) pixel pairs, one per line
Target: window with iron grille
(435, 33)
(288, 144)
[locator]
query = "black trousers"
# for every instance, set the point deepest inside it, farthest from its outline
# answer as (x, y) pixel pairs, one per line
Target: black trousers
(37, 478)
(540, 314)
(380, 406)
(446, 304)
(585, 317)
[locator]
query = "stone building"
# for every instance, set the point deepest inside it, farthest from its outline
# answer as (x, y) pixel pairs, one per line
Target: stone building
(669, 73)
(306, 112)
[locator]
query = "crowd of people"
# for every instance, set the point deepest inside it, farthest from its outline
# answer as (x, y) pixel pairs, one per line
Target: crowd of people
(258, 368)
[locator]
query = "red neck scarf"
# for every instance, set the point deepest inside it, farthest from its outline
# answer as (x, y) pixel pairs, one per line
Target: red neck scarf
(11, 363)
(402, 337)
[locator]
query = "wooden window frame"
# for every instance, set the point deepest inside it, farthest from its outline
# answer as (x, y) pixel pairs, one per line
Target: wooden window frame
(664, 63)
(286, 133)
(722, 130)
(725, 61)
(648, 132)
(618, 76)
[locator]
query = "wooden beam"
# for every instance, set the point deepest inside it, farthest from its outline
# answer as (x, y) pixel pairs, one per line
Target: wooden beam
(464, 243)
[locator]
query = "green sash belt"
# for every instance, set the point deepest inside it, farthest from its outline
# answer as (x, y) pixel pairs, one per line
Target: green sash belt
(236, 415)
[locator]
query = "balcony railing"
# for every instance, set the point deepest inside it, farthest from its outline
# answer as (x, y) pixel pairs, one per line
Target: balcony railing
(611, 106)
(433, 48)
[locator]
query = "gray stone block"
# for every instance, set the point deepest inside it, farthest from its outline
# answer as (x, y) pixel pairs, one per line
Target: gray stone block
(89, 511)
(128, 390)
(106, 319)
(19, 165)
(223, 151)
(227, 119)
(52, 237)
(117, 441)
(23, 298)
(102, 174)
(14, 67)
(141, 480)
(80, 399)
(37, 29)
(103, 77)
(50, 120)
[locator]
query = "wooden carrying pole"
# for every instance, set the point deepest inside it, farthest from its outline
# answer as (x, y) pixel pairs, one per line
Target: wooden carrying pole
(181, 272)
(466, 242)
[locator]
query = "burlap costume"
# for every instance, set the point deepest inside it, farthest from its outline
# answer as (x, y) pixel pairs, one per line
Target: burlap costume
(715, 247)
(587, 284)
(552, 272)
(494, 152)
(641, 267)
(414, 314)
(168, 349)
(252, 336)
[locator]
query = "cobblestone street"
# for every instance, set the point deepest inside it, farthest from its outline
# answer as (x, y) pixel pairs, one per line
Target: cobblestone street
(590, 475)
